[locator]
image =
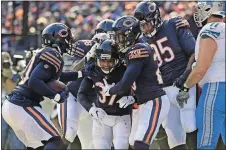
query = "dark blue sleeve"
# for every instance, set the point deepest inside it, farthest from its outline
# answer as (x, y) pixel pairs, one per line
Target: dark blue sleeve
(186, 40)
(131, 74)
(73, 87)
(83, 93)
(37, 80)
(68, 76)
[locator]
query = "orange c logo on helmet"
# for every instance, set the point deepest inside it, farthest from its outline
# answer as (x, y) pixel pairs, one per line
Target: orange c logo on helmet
(63, 33)
(128, 23)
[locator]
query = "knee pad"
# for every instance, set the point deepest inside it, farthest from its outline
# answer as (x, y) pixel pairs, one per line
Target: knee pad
(54, 143)
(140, 145)
(121, 143)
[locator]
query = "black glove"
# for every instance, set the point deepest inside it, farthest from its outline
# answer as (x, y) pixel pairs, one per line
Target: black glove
(179, 82)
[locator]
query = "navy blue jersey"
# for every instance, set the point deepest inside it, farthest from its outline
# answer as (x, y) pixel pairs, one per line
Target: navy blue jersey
(46, 65)
(95, 82)
(142, 72)
(173, 48)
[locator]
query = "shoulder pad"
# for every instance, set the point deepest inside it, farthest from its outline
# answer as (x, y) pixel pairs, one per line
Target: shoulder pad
(52, 57)
(215, 30)
(139, 50)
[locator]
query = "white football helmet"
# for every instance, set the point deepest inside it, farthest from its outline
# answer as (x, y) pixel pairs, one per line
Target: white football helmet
(206, 9)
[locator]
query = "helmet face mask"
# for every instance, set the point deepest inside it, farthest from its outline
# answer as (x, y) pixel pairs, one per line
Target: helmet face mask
(107, 64)
(205, 9)
(146, 28)
(120, 39)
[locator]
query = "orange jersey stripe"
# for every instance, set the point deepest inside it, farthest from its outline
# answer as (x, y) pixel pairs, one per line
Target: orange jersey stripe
(54, 57)
(50, 58)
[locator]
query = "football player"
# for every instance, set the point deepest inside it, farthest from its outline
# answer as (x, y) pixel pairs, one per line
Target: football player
(174, 49)
(143, 73)
(209, 72)
(72, 117)
(22, 109)
(111, 116)
(75, 120)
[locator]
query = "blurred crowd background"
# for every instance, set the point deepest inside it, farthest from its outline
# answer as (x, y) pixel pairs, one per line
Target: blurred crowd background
(23, 22)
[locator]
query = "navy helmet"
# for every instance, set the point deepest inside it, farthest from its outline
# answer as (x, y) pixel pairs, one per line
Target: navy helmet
(107, 57)
(126, 31)
(148, 13)
(59, 36)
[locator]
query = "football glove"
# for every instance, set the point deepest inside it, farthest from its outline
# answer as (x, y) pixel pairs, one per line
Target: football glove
(61, 97)
(92, 52)
(125, 101)
(97, 113)
(182, 96)
(100, 37)
(107, 87)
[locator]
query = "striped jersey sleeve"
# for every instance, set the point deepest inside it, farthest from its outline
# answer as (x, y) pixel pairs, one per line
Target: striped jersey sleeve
(53, 58)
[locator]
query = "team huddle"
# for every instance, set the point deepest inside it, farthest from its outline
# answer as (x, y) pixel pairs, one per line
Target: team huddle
(136, 81)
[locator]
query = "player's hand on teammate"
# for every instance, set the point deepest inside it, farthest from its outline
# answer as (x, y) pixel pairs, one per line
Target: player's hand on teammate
(97, 113)
(181, 22)
(107, 87)
(182, 96)
(125, 101)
